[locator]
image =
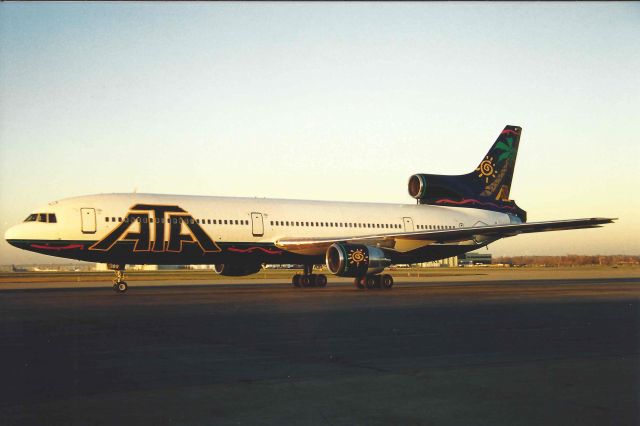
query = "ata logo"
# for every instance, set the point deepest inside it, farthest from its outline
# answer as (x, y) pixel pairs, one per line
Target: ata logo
(159, 229)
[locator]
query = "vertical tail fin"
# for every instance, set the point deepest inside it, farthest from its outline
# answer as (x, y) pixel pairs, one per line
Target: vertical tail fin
(495, 171)
(487, 187)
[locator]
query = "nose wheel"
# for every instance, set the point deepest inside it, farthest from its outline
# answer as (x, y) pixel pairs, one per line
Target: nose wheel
(119, 284)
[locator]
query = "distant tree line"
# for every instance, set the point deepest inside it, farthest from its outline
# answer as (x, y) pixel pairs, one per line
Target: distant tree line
(568, 260)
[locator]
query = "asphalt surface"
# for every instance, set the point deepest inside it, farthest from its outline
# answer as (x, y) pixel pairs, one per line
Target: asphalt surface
(514, 352)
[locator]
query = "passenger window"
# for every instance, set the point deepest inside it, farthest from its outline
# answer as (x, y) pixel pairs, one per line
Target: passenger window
(106, 219)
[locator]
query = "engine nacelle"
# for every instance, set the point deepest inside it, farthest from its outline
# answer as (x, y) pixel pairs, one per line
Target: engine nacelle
(425, 186)
(355, 260)
(236, 270)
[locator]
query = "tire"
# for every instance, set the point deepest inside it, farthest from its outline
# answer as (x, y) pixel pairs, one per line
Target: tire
(387, 281)
(358, 283)
(295, 280)
(121, 287)
(370, 282)
(321, 281)
(305, 281)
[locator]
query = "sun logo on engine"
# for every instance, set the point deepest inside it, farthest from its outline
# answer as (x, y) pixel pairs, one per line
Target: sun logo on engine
(356, 256)
(486, 169)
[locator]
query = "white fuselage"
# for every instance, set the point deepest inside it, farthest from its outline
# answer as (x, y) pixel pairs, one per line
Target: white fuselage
(174, 229)
(228, 219)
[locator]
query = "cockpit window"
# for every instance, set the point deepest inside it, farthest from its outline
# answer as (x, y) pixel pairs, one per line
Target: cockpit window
(42, 217)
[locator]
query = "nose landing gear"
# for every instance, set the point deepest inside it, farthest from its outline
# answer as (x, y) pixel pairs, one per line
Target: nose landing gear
(119, 284)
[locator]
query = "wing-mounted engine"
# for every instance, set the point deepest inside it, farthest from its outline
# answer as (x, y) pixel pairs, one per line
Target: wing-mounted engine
(355, 260)
(236, 270)
(487, 187)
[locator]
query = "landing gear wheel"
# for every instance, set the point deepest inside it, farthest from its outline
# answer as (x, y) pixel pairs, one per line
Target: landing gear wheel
(305, 281)
(358, 282)
(296, 280)
(370, 282)
(387, 281)
(119, 285)
(321, 281)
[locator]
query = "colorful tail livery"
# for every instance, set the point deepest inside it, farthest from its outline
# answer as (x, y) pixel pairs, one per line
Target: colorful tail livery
(487, 187)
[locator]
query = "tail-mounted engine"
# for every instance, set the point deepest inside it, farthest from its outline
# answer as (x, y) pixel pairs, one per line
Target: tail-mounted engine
(355, 260)
(425, 186)
(236, 270)
(486, 187)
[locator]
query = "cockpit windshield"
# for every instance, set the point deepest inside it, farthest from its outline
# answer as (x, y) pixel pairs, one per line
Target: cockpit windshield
(42, 217)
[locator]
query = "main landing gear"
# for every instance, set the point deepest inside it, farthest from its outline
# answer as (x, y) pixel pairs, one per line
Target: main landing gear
(370, 282)
(309, 279)
(119, 285)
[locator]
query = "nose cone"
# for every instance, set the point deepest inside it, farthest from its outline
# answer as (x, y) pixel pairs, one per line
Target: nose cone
(12, 234)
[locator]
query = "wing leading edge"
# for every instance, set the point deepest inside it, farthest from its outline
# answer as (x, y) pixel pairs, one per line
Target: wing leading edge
(406, 241)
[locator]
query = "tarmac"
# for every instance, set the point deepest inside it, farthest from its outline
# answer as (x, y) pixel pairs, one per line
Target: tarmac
(511, 349)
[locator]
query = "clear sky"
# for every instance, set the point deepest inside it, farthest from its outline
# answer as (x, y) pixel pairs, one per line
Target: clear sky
(329, 101)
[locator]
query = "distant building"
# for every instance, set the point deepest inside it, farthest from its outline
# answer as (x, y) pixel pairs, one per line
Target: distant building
(450, 262)
(103, 267)
(469, 259)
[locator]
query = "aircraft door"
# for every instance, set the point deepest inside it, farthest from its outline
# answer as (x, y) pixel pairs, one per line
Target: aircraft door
(408, 224)
(257, 225)
(88, 218)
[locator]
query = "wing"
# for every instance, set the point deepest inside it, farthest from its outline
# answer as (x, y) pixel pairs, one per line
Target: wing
(407, 241)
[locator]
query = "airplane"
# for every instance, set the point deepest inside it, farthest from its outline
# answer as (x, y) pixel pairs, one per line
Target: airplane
(453, 214)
